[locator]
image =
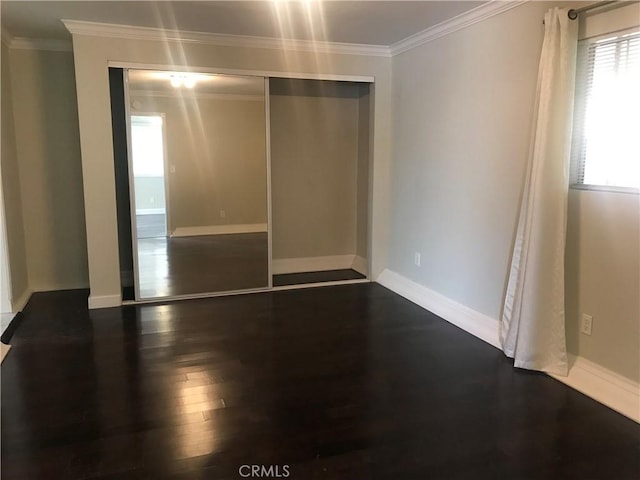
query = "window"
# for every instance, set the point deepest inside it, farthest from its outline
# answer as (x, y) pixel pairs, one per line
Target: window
(606, 133)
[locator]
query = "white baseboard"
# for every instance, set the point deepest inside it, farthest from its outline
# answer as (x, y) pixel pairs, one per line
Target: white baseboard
(311, 264)
(604, 386)
(104, 301)
(360, 265)
(475, 323)
(151, 211)
(615, 391)
(4, 349)
(219, 230)
(21, 302)
(17, 307)
(5, 321)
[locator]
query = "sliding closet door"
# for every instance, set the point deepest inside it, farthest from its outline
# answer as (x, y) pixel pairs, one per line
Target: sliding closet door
(198, 182)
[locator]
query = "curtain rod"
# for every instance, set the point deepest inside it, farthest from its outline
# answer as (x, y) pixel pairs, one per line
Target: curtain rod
(573, 13)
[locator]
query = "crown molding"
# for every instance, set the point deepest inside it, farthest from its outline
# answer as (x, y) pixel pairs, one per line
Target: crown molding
(52, 45)
(158, 34)
(475, 15)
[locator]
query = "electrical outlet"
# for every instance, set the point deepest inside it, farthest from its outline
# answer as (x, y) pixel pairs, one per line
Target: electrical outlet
(172, 169)
(223, 214)
(416, 258)
(152, 199)
(587, 324)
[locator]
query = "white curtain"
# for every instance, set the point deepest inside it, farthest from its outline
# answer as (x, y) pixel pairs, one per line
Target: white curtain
(532, 329)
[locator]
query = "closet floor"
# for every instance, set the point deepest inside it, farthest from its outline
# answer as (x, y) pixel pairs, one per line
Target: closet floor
(316, 277)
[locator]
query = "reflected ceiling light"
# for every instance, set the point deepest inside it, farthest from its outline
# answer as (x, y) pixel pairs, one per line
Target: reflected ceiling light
(182, 80)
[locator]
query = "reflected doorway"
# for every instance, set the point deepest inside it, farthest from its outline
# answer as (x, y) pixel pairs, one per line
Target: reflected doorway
(147, 148)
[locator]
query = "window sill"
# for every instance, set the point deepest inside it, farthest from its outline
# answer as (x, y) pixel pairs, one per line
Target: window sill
(605, 188)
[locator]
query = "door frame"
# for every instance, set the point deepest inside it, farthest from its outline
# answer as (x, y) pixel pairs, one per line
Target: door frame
(5, 266)
(266, 75)
(267, 129)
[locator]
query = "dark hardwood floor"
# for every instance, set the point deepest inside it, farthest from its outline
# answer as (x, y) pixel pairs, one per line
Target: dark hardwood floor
(171, 266)
(347, 382)
(316, 277)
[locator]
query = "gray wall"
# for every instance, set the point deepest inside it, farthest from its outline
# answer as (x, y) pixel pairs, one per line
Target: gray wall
(48, 157)
(314, 168)
(463, 106)
(218, 150)
(603, 278)
(11, 191)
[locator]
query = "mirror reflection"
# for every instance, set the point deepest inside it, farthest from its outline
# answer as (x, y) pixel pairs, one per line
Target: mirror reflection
(198, 179)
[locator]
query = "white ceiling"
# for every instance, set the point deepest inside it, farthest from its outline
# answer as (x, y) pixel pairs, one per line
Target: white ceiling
(359, 22)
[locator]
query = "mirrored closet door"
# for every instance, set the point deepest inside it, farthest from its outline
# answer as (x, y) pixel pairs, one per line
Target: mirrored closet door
(198, 182)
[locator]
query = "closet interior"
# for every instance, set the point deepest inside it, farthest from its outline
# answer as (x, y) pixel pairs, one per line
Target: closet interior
(319, 180)
(235, 183)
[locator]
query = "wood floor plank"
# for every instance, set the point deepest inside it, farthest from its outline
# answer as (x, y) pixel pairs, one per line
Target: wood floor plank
(336, 383)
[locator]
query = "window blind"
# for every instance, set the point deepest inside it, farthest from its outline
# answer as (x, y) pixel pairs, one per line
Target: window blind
(606, 130)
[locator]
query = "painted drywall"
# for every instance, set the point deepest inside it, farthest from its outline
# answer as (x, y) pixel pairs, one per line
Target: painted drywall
(462, 115)
(11, 191)
(362, 173)
(603, 278)
(92, 55)
(216, 152)
(463, 106)
(314, 166)
(47, 145)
